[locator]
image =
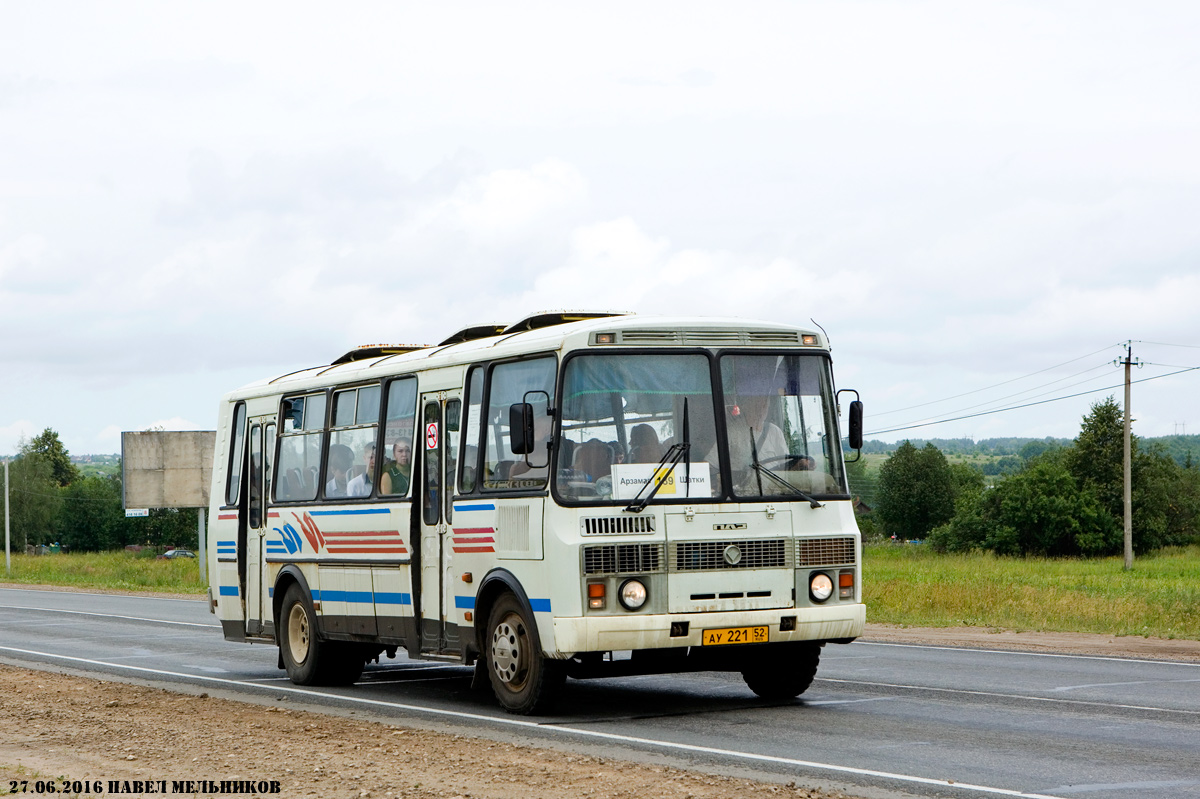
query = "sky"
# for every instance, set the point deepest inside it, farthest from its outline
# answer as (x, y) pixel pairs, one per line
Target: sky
(979, 202)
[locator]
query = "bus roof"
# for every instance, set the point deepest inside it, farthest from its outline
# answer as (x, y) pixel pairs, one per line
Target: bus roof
(545, 331)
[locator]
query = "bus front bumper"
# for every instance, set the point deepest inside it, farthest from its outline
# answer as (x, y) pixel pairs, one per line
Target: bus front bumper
(634, 632)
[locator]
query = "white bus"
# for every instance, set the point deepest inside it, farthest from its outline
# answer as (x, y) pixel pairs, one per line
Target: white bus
(576, 495)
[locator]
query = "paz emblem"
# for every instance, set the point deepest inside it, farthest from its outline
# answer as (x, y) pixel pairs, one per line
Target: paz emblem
(733, 555)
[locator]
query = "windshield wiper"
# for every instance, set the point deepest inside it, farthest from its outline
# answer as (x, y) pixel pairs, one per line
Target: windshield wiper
(758, 467)
(759, 470)
(672, 457)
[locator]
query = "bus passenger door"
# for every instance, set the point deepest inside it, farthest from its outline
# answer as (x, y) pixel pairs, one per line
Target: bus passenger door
(440, 414)
(262, 450)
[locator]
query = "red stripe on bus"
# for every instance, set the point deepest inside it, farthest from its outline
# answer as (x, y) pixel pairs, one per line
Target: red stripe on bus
(227, 516)
(371, 550)
(484, 540)
(347, 534)
(474, 549)
(474, 530)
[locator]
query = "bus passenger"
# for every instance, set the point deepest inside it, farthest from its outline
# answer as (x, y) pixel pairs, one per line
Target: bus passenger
(397, 472)
(341, 458)
(361, 486)
(644, 446)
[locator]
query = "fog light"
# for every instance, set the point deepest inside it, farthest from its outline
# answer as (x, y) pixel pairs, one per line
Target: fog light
(633, 594)
(820, 587)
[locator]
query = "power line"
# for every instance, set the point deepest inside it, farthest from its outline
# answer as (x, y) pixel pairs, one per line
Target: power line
(1164, 344)
(1104, 365)
(997, 385)
(1029, 404)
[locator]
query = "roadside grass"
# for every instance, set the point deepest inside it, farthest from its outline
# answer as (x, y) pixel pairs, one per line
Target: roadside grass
(126, 571)
(913, 586)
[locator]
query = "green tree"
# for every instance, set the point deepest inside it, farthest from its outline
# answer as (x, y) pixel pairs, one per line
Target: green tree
(916, 491)
(35, 501)
(1097, 457)
(1040, 511)
(91, 518)
(48, 445)
(1166, 500)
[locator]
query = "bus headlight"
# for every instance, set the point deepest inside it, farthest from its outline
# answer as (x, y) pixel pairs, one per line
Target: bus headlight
(820, 587)
(632, 594)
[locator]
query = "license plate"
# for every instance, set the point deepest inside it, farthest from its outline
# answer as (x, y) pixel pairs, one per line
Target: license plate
(734, 635)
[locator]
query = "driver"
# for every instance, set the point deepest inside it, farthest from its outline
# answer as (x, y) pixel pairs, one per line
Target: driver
(769, 441)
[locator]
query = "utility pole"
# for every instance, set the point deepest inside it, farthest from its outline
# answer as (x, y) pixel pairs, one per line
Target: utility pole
(7, 496)
(1128, 488)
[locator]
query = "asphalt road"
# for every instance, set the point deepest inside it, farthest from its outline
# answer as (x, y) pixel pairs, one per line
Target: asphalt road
(880, 719)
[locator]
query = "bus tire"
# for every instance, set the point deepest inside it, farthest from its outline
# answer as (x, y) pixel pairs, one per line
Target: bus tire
(307, 659)
(523, 680)
(785, 673)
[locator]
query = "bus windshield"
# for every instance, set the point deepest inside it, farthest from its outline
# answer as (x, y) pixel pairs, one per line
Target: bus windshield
(620, 415)
(781, 430)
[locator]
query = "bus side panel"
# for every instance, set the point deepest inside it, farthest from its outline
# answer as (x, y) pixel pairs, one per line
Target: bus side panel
(223, 573)
(393, 603)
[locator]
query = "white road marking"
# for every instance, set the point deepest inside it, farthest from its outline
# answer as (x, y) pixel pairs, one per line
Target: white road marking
(998, 695)
(575, 731)
(111, 616)
(810, 703)
(1113, 684)
(1186, 663)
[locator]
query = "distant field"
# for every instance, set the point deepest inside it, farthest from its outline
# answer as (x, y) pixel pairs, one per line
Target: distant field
(110, 570)
(911, 585)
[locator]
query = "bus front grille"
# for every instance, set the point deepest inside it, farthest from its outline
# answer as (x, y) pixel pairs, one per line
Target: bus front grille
(622, 558)
(758, 553)
(618, 525)
(825, 552)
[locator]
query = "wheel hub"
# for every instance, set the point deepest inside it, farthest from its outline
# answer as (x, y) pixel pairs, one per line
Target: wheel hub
(508, 653)
(298, 634)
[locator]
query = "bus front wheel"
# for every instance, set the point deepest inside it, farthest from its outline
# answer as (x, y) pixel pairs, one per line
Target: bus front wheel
(308, 659)
(523, 680)
(785, 673)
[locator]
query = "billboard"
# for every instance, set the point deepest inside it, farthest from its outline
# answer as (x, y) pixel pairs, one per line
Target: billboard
(164, 469)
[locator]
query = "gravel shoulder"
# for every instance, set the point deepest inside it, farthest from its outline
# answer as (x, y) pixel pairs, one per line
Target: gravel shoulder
(55, 724)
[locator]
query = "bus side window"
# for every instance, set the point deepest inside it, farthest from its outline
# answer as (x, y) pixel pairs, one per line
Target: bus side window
(399, 423)
(471, 425)
(453, 410)
(300, 445)
(234, 483)
(529, 381)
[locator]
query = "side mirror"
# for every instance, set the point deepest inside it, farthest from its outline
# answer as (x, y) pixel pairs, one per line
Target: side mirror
(520, 428)
(855, 434)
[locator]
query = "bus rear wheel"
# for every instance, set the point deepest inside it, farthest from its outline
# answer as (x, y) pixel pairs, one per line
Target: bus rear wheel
(308, 659)
(523, 680)
(784, 673)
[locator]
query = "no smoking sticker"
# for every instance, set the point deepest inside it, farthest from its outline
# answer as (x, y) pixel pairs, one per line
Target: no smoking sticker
(431, 435)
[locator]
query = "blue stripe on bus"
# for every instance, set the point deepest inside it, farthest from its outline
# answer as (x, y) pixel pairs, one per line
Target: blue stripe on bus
(342, 596)
(229, 590)
(380, 599)
(468, 603)
(465, 508)
(355, 512)
(393, 599)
